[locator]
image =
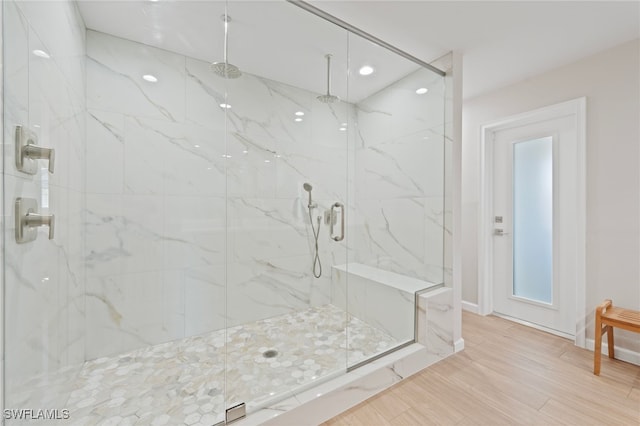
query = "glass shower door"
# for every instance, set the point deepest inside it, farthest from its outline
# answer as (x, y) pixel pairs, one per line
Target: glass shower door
(396, 220)
(286, 170)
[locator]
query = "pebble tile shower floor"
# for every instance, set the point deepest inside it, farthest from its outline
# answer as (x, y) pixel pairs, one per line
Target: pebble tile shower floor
(183, 382)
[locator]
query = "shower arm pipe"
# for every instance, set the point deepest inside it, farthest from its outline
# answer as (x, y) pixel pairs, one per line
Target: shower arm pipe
(339, 22)
(328, 56)
(226, 36)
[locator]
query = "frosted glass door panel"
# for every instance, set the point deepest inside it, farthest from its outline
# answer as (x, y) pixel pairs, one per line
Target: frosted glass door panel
(533, 219)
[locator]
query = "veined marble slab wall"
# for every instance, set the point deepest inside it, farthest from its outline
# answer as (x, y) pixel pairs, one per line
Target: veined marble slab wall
(44, 281)
(178, 187)
(399, 165)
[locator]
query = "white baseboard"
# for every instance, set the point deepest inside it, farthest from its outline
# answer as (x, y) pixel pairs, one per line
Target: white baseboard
(620, 353)
(470, 307)
(458, 345)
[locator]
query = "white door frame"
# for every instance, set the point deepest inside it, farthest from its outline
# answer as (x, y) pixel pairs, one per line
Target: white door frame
(576, 108)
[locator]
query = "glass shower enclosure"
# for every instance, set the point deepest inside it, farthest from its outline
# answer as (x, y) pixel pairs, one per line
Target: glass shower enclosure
(183, 236)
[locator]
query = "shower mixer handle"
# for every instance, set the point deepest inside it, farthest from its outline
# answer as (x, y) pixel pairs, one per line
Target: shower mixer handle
(33, 220)
(39, 152)
(334, 206)
(27, 151)
(28, 220)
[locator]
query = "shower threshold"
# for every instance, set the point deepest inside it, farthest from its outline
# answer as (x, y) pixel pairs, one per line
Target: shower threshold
(185, 381)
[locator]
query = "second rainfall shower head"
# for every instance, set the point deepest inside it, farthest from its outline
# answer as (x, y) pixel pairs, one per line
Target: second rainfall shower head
(223, 68)
(328, 97)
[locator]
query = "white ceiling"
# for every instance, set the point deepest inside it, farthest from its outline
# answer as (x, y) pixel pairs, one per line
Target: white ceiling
(501, 42)
(272, 39)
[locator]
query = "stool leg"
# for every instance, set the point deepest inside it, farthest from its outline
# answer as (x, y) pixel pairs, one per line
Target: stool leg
(610, 340)
(598, 347)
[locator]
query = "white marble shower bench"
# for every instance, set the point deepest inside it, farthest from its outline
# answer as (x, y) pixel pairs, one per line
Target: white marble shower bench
(413, 309)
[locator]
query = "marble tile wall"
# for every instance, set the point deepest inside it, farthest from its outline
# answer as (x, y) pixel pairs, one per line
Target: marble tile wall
(196, 213)
(399, 178)
(44, 281)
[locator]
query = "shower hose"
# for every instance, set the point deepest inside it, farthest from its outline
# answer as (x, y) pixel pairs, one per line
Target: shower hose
(317, 266)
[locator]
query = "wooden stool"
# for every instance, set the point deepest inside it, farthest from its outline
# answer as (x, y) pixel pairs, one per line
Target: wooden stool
(608, 317)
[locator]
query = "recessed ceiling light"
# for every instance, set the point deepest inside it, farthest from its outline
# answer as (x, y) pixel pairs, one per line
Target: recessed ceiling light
(298, 119)
(267, 161)
(366, 70)
(225, 106)
(299, 113)
(422, 91)
(196, 146)
(150, 78)
(41, 54)
(245, 151)
(342, 129)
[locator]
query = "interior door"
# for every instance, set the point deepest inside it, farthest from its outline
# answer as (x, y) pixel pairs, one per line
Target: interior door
(534, 197)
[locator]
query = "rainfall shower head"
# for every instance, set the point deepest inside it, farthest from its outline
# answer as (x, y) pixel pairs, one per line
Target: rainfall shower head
(223, 68)
(328, 97)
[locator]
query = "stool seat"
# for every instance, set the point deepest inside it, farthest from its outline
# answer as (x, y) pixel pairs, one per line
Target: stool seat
(608, 317)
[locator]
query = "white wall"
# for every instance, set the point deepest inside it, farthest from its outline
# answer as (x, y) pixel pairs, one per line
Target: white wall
(611, 82)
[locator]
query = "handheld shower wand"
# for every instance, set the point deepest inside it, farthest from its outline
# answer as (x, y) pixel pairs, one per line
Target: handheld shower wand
(317, 266)
(307, 187)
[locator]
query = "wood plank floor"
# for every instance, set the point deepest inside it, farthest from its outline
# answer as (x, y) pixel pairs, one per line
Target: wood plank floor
(508, 374)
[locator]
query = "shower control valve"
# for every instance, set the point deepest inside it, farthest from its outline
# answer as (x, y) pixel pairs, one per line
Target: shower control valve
(330, 217)
(27, 220)
(27, 151)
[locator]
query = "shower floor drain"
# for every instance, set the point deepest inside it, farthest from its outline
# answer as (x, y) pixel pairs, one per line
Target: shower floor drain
(271, 353)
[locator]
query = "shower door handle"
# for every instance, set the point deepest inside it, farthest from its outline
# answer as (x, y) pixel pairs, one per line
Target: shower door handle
(333, 213)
